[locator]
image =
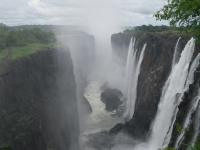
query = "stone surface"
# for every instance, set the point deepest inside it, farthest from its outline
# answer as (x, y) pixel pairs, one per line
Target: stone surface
(112, 98)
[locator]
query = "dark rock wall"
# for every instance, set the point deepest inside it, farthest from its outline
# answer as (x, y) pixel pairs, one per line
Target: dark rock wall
(38, 103)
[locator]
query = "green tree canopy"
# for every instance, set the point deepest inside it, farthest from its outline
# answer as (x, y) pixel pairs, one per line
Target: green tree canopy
(181, 12)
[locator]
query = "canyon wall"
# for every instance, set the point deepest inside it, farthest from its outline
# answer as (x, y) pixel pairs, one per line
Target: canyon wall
(38, 109)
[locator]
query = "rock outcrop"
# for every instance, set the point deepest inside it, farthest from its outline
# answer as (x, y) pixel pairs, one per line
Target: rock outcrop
(112, 98)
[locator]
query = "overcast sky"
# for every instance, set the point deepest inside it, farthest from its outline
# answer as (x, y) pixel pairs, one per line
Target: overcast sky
(78, 12)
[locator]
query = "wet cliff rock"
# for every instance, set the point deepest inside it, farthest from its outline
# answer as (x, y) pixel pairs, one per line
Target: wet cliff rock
(112, 98)
(38, 103)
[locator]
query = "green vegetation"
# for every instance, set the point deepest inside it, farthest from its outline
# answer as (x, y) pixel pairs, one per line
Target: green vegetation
(20, 42)
(196, 146)
(5, 147)
(150, 28)
(181, 31)
(182, 13)
(170, 31)
(156, 29)
(22, 51)
(178, 128)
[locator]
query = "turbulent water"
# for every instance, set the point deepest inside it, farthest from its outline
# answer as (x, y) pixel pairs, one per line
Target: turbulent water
(132, 73)
(99, 119)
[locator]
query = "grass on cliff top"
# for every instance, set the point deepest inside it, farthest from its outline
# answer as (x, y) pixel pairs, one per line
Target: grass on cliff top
(23, 51)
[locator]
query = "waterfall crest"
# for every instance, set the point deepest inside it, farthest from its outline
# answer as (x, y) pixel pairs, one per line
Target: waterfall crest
(132, 74)
(175, 56)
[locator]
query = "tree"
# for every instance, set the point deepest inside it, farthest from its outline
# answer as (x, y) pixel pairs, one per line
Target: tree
(181, 12)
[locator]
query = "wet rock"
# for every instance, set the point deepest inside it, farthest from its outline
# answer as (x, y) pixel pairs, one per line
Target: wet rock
(112, 98)
(116, 129)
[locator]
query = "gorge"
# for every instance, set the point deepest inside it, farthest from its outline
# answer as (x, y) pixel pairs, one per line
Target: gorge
(144, 97)
(100, 75)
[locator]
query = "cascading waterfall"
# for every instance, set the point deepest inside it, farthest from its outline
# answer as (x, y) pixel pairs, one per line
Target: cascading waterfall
(169, 102)
(174, 62)
(195, 102)
(181, 76)
(190, 80)
(175, 57)
(129, 63)
(129, 69)
(132, 74)
(177, 83)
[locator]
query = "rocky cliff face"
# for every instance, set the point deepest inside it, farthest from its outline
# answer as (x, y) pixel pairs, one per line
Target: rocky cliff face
(155, 69)
(38, 108)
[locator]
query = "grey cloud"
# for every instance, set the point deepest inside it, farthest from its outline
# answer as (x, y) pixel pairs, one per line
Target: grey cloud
(131, 12)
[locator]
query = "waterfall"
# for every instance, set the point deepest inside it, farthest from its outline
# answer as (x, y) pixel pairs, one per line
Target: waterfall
(176, 84)
(132, 73)
(190, 80)
(175, 57)
(174, 62)
(129, 66)
(172, 95)
(195, 101)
